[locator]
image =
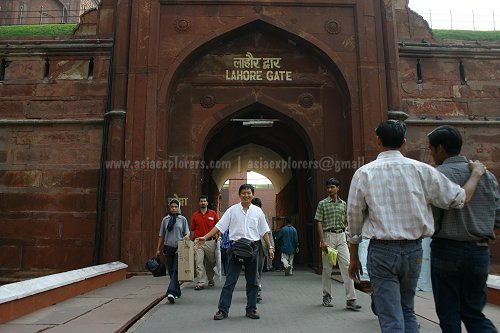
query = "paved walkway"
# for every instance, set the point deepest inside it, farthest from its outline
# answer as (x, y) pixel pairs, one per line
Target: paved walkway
(291, 304)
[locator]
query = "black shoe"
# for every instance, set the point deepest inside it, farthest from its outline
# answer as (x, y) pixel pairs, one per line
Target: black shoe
(171, 298)
(253, 314)
(220, 315)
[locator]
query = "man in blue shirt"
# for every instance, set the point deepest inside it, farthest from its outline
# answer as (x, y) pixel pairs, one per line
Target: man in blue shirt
(289, 245)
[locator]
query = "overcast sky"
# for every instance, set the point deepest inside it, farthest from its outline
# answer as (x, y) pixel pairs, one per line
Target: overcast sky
(486, 13)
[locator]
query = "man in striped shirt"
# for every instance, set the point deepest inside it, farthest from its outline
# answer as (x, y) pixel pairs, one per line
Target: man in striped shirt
(460, 253)
(390, 204)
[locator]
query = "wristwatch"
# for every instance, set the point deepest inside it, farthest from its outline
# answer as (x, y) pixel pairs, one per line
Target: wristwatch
(271, 247)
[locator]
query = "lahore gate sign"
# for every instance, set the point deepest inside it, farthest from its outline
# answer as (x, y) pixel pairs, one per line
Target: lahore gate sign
(250, 68)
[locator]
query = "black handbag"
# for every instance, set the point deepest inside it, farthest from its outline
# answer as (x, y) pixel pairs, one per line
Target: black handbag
(243, 250)
(156, 267)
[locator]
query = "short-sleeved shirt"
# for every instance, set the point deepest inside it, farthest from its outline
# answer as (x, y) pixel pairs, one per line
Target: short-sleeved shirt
(479, 218)
(331, 213)
(179, 230)
(225, 243)
(250, 224)
(201, 223)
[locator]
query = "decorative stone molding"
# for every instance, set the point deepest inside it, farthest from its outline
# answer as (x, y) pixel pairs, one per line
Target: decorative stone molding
(333, 27)
(397, 115)
(182, 25)
(207, 101)
(306, 100)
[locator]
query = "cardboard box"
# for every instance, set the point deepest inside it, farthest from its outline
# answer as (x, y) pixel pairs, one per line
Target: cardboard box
(186, 266)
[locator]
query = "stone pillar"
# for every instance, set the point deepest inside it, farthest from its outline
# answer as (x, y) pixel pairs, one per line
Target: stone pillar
(139, 231)
(391, 55)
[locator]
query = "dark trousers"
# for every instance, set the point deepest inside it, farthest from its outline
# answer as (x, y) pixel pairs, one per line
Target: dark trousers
(459, 271)
(224, 259)
(174, 287)
(232, 275)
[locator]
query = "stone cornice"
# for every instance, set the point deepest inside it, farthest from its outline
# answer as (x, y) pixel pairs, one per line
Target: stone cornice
(425, 49)
(455, 122)
(72, 47)
(35, 122)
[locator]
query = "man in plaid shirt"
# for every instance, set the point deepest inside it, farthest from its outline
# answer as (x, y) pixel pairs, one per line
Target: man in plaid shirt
(331, 222)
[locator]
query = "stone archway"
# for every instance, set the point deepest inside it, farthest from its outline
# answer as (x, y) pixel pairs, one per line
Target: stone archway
(275, 152)
(305, 95)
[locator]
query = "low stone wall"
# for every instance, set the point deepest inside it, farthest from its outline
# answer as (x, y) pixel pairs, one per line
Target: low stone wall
(21, 298)
(493, 289)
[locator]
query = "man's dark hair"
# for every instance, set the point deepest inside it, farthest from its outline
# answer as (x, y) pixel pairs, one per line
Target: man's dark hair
(391, 133)
(257, 202)
(448, 137)
(285, 219)
(203, 196)
(246, 187)
(333, 181)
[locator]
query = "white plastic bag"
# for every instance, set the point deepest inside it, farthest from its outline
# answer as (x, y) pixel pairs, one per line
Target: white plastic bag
(218, 260)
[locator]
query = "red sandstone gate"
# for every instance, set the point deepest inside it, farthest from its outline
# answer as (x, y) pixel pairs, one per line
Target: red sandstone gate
(243, 91)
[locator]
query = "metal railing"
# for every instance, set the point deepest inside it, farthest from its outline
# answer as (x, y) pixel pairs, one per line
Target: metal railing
(480, 20)
(452, 19)
(42, 16)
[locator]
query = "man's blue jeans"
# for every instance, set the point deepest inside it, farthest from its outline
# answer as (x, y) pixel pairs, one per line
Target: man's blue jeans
(394, 268)
(232, 274)
(174, 287)
(459, 271)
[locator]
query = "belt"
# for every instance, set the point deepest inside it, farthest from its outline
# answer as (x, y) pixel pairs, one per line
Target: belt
(335, 231)
(396, 241)
(482, 242)
(257, 242)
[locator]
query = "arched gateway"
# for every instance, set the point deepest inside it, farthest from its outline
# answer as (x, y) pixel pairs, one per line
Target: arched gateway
(257, 85)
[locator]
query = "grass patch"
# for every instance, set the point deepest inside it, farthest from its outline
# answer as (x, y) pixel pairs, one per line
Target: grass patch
(67, 29)
(467, 35)
(36, 30)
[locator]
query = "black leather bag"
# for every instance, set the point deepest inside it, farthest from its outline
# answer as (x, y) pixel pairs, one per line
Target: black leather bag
(156, 267)
(243, 250)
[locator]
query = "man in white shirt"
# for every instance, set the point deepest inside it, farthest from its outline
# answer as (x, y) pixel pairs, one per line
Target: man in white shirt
(244, 221)
(390, 204)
